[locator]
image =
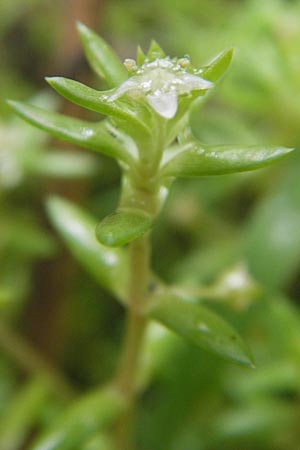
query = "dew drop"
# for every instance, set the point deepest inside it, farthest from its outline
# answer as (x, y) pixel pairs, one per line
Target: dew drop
(87, 132)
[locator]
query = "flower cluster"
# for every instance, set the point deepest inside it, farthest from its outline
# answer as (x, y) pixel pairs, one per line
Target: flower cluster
(161, 82)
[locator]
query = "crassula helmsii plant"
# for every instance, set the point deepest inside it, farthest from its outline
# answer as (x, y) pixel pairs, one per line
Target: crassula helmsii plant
(147, 131)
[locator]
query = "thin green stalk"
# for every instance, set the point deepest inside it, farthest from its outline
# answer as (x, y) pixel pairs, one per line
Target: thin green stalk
(126, 380)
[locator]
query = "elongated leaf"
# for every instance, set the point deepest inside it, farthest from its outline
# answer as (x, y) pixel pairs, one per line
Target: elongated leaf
(92, 99)
(87, 416)
(102, 57)
(199, 325)
(199, 160)
(122, 227)
(108, 266)
(94, 136)
(272, 235)
(91, 135)
(64, 165)
(21, 415)
(216, 69)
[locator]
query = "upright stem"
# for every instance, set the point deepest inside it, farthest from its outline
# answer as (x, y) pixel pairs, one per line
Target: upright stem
(126, 380)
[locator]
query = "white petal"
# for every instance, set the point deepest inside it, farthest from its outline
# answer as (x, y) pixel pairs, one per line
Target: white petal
(164, 103)
(192, 82)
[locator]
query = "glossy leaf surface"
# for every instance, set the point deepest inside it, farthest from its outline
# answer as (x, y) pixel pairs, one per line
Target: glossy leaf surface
(102, 57)
(108, 266)
(92, 99)
(87, 416)
(123, 226)
(202, 160)
(199, 325)
(90, 135)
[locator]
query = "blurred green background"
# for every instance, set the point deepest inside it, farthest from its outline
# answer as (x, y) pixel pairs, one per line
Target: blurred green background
(60, 332)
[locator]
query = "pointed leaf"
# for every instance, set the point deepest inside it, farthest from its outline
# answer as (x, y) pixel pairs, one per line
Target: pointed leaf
(216, 69)
(92, 99)
(140, 56)
(90, 414)
(155, 51)
(94, 136)
(102, 58)
(108, 266)
(199, 325)
(122, 227)
(200, 160)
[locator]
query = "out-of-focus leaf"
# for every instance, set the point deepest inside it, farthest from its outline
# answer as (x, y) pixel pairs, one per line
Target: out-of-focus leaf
(272, 234)
(108, 266)
(261, 418)
(22, 413)
(201, 160)
(62, 164)
(100, 442)
(155, 51)
(140, 56)
(90, 414)
(199, 325)
(123, 226)
(94, 136)
(216, 69)
(102, 57)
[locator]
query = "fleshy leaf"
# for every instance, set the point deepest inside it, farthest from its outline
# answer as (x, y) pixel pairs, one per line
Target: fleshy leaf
(92, 413)
(108, 266)
(201, 160)
(199, 325)
(216, 69)
(94, 136)
(102, 58)
(123, 226)
(92, 99)
(155, 51)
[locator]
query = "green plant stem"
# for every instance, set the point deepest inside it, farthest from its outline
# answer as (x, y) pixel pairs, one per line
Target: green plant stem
(126, 380)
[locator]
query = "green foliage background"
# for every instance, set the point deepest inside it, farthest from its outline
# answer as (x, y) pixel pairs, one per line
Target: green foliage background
(60, 332)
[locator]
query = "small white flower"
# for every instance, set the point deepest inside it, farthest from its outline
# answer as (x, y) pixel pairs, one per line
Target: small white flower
(161, 82)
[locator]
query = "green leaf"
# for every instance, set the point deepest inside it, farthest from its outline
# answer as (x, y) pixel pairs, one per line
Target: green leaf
(94, 100)
(102, 58)
(201, 160)
(272, 235)
(123, 226)
(92, 413)
(100, 442)
(60, 164)
(140, 56)
(21, 415)
(217, 68)
(108, 266)
(199, 325)
(94, 136)
(155, 51)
